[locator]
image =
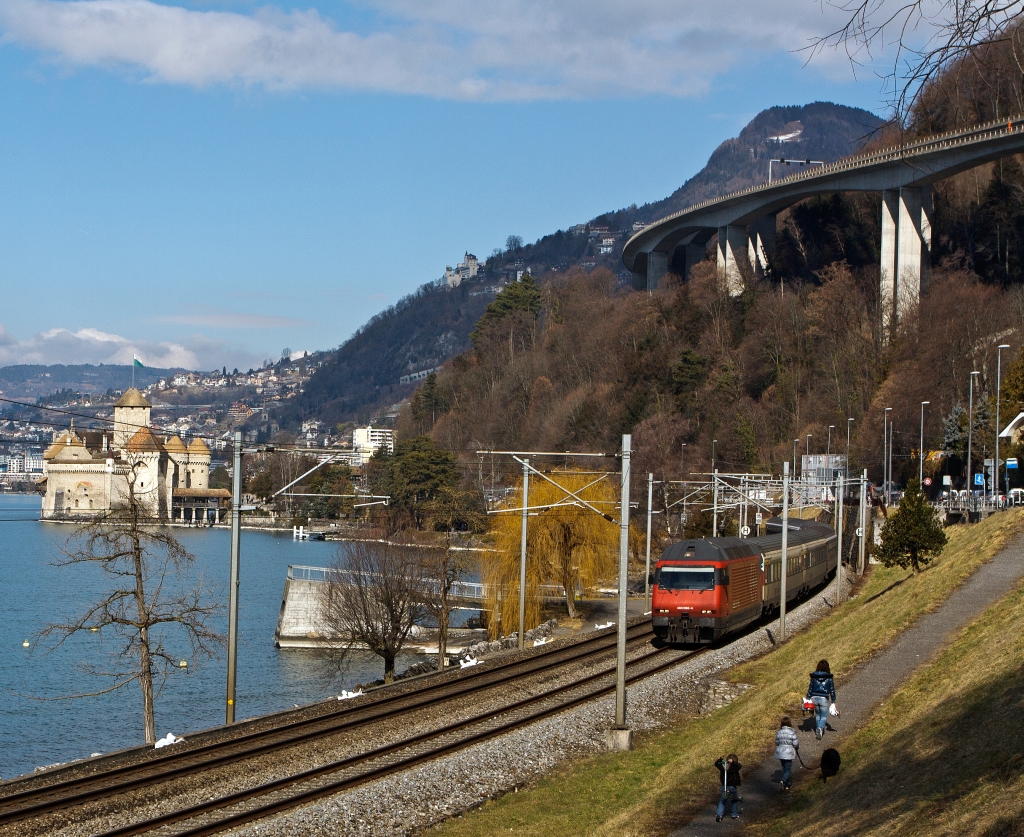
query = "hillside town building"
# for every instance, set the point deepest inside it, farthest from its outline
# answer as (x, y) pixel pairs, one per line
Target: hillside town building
(466, 269)
(88, 473)
(366, 441)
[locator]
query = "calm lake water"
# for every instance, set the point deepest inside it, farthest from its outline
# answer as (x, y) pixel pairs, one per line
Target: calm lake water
(37, 732)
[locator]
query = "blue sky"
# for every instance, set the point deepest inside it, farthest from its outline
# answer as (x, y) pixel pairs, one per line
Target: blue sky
(205, 184)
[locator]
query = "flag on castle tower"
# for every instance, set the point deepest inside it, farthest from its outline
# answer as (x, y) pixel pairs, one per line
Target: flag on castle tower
(136, 361)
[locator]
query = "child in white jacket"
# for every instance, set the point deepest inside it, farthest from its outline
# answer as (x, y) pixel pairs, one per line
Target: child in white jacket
(786, 746)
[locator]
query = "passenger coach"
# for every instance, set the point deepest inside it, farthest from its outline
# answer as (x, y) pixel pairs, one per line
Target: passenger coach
(708, 587)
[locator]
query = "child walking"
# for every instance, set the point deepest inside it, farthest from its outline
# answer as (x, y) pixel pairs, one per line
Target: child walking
(730, 781)
(786, 746)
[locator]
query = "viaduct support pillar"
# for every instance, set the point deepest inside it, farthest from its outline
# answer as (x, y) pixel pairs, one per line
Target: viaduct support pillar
(733, 250)
(657, 267)
(761, 242)
(906, 251)
(695, 254)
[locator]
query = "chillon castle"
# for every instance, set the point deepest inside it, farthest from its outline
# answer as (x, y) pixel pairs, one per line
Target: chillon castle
(92, 472)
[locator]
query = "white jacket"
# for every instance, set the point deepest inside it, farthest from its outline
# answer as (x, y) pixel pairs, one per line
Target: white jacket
(786, 743)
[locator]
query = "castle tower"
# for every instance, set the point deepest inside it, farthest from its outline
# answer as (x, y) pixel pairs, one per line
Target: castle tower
(131, 413)
(178, 454)
(198, 464)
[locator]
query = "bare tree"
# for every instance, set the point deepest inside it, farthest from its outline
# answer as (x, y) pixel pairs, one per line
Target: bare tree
(943, 35)
(449, 510)
(374, 596)
(155, 599)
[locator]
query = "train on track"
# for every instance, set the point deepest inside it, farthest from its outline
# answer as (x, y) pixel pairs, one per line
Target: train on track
(708, 587)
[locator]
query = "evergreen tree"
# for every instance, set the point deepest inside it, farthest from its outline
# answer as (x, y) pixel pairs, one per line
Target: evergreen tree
(954, 430)
(912, 534)
(523, 295)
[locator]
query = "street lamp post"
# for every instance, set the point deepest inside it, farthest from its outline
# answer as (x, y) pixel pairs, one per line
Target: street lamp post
(828, 454)
(970, 439)
(885, 450)
(920, 450)
(846, 472)
(892, 433)
(999, 383)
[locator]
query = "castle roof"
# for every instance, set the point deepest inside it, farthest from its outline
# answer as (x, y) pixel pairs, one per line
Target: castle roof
(68, 437)
(143, 442)
(175, 445)
(132, 398)
(199, 447)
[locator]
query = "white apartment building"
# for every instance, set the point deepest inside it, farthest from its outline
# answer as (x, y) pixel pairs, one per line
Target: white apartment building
(366, 441)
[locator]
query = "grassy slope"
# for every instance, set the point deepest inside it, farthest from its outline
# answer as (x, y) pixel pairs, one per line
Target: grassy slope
(669, 776)
(942, 757)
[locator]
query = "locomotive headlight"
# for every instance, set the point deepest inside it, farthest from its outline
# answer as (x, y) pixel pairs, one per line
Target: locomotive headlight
(663, 611)
(705, 611)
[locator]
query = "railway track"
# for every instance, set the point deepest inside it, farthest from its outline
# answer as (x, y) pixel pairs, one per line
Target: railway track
(37, 802)
(289, 792)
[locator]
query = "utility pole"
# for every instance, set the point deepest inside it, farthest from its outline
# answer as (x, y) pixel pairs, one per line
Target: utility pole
(785, 548)
(999, 385)
(620, 736)
(647, 572)
(236, 533)
(970, 435)
(714, 514)
(522, 556)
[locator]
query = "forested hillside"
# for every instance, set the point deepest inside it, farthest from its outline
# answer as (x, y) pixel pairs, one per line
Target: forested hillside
(432, 325)
(688, 368)
(421, 331)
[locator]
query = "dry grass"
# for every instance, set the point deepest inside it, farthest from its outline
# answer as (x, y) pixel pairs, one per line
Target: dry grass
(670, 775)
(942, 757)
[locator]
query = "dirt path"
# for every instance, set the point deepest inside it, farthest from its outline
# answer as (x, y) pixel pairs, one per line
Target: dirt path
(859, 695)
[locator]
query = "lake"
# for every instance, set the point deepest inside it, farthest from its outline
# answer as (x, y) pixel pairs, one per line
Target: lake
(37, 730)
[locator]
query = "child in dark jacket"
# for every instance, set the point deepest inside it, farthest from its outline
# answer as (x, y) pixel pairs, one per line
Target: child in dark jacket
(729, 781)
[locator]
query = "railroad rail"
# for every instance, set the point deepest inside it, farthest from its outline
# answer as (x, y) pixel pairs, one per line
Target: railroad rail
(64, 796)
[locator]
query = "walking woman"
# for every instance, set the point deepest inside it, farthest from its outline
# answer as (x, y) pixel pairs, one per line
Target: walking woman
(821, 692)
(786, 746)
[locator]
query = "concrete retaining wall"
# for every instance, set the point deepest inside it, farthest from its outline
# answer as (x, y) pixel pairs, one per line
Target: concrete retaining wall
(298, 625)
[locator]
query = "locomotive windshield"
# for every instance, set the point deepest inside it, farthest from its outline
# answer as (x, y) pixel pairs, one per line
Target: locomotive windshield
(686, 578)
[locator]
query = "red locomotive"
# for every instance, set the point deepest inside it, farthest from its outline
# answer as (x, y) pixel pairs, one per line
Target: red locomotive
(708, 587)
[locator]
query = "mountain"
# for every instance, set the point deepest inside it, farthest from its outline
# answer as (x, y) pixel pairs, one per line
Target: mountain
(423, 330)
(819, 131)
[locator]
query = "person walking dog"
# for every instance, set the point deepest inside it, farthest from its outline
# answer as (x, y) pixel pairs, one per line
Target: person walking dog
(729, 780)
(822, 693)
(787, 745)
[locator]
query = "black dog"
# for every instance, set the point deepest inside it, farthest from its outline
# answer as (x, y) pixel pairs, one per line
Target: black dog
(830, 762)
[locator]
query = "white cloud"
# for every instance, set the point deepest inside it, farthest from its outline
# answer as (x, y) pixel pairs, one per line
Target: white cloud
(459, 49)
(89, 345)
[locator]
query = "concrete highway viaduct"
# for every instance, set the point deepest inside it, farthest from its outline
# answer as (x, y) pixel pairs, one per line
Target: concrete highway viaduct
(745, 221)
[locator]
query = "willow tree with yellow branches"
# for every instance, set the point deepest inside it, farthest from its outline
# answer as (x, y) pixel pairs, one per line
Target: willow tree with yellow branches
(567, 544)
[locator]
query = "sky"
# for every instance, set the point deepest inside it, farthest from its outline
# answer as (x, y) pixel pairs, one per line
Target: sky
(205, 184)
